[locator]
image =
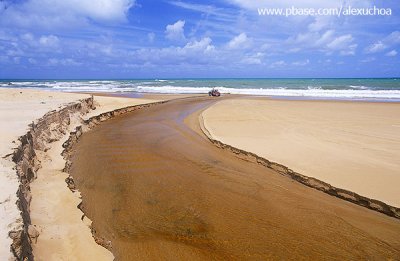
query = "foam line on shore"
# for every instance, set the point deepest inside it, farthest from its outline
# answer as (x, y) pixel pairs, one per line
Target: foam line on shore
(314, 183)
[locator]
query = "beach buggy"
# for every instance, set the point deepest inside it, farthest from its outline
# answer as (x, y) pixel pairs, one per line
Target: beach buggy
(214, 92)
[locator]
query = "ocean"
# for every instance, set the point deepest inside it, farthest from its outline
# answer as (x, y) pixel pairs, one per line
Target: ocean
(380, 89)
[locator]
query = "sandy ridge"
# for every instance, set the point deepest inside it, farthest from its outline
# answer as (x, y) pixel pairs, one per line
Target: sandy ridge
(347, 195)
(49, 128)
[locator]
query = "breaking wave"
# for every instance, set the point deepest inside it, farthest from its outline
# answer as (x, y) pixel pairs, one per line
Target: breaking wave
(283, 88)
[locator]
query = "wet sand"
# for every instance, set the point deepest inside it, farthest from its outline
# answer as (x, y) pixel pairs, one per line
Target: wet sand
(160, 191)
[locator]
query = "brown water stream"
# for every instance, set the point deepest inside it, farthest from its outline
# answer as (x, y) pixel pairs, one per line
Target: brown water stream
(160, 191)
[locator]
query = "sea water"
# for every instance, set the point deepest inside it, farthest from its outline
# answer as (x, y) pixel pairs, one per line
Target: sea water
(380, 89)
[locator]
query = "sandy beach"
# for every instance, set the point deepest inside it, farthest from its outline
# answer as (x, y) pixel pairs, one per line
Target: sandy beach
(350, 145)
(192, 130)
(53, 206)
(174, 194)
(19, 108)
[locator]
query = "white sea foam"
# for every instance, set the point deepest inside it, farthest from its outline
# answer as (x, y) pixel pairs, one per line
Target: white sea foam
(359, 87)
(311, 92)
(353, 91)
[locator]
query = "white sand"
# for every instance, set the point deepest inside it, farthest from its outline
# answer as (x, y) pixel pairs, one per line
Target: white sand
(350, 145)
(53, 207)
(18, 108)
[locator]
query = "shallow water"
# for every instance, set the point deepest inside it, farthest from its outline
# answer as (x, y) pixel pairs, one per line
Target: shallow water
(160, 191)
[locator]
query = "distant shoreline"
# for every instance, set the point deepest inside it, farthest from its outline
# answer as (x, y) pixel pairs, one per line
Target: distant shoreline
(386, 90)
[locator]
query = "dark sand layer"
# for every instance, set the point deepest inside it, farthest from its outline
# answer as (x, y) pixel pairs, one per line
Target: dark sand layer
(160, 191)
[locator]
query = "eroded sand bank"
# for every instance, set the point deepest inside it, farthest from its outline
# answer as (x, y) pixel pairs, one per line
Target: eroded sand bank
(18, 109)
(159, 190)
(350, 145)
(53, 207)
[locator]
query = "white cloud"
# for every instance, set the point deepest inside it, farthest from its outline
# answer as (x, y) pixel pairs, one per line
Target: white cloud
(16, 60)
(252, 4)
(196, 51)
(151, 37)
(15, 52)
(52, 61)
(6, 36)
(240, 41)
(393, 38)
(219, 14)
(351, 50)
(325, 38)
(392, 53)
(32, 61)
(64, 13)
(175, 32)
(106, 10)
(276, 64)
(320, 23)
(344, 44)
(340, 42)
(294, 50)
(301, 63)
(196, 7)
(28, 37)
(45, 41)
(202, 45)
(376, 47)
(327, 42)
(49, 41)
(64, 62)
(368, 60)
(385, 43)
(254, 59)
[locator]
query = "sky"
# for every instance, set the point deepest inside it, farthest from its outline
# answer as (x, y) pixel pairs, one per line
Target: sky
(127, 39)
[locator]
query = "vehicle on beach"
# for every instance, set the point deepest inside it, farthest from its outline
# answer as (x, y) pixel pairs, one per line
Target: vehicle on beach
(214, 93)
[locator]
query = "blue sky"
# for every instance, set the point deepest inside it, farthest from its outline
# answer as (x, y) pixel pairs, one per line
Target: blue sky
(191, 38)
